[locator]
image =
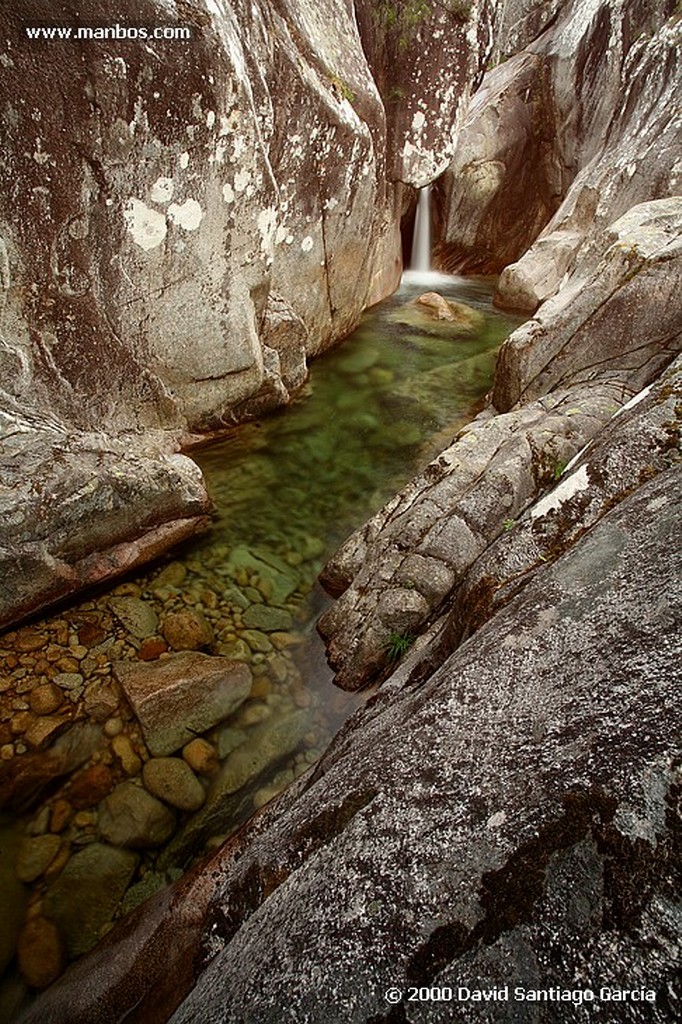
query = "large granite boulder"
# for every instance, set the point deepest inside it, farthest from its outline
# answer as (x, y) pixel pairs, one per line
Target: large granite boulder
(563, 138)
(172, 192)
(618, 320)
(507, 822)
(395, 572)
(80, 508)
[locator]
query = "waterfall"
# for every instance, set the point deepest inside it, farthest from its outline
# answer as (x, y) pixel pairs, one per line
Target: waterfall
(421, 241)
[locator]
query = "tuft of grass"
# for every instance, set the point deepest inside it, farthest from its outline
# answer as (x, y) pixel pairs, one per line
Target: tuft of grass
(397, 645)
(557, 469)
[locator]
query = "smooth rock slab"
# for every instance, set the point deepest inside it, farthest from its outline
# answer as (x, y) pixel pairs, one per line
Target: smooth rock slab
(182, 695)
(261, 616)
(84, 897)
(171, 779)
(135, 615)
(40, 952)
(130, 816)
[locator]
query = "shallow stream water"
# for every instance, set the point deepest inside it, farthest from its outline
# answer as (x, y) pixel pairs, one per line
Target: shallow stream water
(288, 489)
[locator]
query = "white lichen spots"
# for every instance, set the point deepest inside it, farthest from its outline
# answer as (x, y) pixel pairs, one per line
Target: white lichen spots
(228, 193)
(495, 820)
(307, 244)
(331, 203)
(572, 485)
(188, 215)
(6, 60)
(184, 160)
(162, 191)
(280, 235)
(241, 179)
(224, 125)
(210, 119)
(418, 120)
(39, 155)
(220, 150)
(148, 227)
(238, 148)
(267, 223)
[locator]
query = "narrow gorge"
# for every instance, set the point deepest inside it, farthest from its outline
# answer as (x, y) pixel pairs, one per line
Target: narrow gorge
(339, 476)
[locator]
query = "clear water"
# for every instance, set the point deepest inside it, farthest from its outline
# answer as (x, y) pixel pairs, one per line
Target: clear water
(288, 490)
(373, 412)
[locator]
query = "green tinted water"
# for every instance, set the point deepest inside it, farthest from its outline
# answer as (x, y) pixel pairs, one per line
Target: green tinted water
(373, 412)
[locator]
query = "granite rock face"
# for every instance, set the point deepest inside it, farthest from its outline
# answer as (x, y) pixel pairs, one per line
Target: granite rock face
(189, 222)
(396, 571)
(620, 320)
(80, 508)
(530, 843)
(561, 140)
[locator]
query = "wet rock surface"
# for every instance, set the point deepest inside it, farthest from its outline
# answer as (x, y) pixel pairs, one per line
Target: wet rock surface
(397, 570)
(182, 695)
(526, 827)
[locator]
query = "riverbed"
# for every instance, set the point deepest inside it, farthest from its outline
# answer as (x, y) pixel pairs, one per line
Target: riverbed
(288, 489)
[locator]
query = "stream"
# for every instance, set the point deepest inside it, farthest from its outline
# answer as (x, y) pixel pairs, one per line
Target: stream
(288, 489)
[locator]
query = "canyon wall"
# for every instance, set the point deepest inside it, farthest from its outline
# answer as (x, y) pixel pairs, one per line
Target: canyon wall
(183, 223)
(503, 811)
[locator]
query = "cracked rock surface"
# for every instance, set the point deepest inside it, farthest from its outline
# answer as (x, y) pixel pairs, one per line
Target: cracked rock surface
(512, 819)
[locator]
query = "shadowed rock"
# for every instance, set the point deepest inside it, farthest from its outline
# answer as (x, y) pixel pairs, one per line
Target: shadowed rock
(526, 807)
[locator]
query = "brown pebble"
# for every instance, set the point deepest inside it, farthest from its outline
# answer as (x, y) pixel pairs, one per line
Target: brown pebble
(40, 952)
(61, 814)
(187, 630)
(58, 864)
(29, 640)
(67, 664)
(151, 649)
(45, 699)
(91, 786)
(43, 730)
(261, 688)
(201, 756)
(90, 635)
(21, 722)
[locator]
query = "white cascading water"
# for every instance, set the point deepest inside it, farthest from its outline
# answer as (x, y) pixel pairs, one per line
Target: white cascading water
(421, 241)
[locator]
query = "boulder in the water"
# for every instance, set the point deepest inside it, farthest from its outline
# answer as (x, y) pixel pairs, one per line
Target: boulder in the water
(434, 314)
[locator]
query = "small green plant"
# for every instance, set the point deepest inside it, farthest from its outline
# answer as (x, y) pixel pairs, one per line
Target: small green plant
(558, 466)
(509, 524)
(397, 645)
(405, 16)
(341, 89)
